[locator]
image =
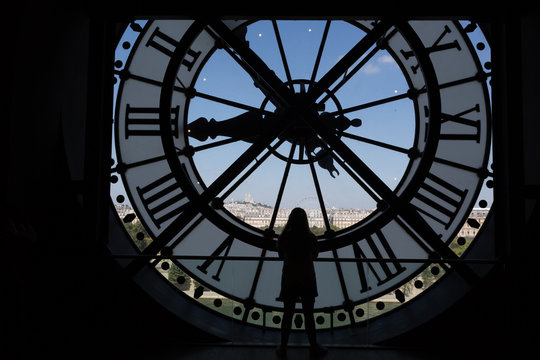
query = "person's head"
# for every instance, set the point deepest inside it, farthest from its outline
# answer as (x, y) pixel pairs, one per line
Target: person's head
(298, 220)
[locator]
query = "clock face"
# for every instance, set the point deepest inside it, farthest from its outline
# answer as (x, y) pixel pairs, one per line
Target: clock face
(380, 130)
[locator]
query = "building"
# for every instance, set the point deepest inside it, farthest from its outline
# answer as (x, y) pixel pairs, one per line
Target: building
(473, 225)
(346, 218)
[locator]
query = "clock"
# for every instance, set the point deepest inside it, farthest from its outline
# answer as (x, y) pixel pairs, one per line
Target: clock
(388, 119)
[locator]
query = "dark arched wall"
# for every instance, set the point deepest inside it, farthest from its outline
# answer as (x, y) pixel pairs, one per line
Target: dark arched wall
(64, 293)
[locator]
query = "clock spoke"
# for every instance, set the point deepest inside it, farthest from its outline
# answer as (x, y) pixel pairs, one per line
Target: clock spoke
(376, 143)
(239, 165)
(218, 143)
(249, 171)
(356, 178)
(191, 92)
(348, 74)
(410, 94)
(427, 235)
(249, 301)
(190, 212)
(318, 191)
(224, 101)
(378, 46)
(353, 161)
(282, 52)
(343, 285)
(319, 53)
(282, 187)
(348, 60)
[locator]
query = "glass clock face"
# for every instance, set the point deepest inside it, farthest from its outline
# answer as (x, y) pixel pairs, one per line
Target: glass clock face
(380, 130)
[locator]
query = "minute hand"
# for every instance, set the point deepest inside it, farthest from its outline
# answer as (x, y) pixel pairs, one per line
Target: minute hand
(280, 95)
(348, 60)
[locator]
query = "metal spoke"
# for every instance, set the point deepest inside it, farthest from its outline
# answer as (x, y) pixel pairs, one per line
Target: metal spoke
(193, 92)
(217, 143)
(318, 190)
(226, 101)
(355, 177)
(350, 74)
(375, 142)
(319, 53)
(282, 53)
(411, 94)
(240, 164)
(372, 104)
(282, 187)
(348, 60)
(252, 169)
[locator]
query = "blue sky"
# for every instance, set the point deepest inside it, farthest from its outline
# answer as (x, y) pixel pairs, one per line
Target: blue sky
(392, 123)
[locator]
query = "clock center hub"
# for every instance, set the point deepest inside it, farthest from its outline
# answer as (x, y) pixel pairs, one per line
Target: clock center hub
(299, 119)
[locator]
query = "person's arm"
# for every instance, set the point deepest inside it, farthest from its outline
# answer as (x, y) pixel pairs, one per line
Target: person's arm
(315, 246)
(280, 249)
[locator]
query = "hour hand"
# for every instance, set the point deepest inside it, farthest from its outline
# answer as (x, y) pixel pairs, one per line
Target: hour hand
(243, 127)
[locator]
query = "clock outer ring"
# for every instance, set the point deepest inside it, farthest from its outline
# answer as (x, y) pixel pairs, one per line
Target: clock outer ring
(269, 242)
(389, 331)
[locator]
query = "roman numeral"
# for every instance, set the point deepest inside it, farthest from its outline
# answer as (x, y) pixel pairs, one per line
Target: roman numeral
(458, 119)
(144, 121)
(161, 199)
(224, 246)
(439, 200)
(383, 271)
(437, 46)
(167, 45)
(461, 123)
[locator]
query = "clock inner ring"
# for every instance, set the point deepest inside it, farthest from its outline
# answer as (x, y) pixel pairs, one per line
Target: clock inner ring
(310, 147)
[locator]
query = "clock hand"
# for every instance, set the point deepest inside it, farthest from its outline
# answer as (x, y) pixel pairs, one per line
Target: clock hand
(251, 123)
(340, 122)
(325, 161)
(243, 127)
(279, 93)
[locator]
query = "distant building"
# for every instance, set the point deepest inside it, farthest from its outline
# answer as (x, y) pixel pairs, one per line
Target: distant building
(123, 209)
(478, 216)
(343, 218)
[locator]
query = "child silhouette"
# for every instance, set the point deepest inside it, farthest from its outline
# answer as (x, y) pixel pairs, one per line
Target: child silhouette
(297, 246)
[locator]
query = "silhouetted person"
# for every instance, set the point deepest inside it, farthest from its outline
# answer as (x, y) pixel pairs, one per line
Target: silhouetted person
(297, 246)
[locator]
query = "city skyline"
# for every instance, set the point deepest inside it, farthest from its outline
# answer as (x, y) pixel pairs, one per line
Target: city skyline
(259, 215)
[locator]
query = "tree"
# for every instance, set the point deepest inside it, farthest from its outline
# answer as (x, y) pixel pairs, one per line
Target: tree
(138, 233)
(179, 278)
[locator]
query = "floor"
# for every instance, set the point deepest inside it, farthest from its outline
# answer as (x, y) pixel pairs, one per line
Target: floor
(267, 352)
(142, 350)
